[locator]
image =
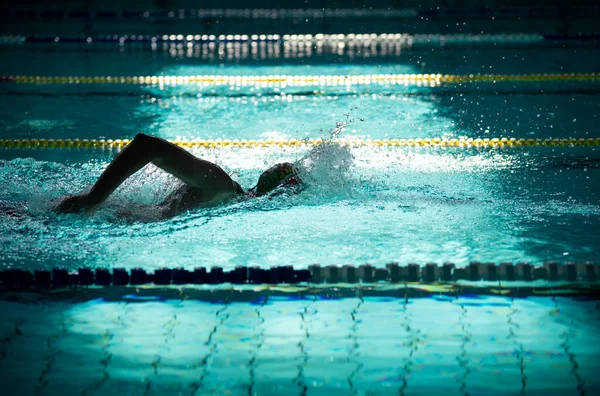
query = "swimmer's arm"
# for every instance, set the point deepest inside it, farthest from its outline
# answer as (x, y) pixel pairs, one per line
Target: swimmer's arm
(145, 149)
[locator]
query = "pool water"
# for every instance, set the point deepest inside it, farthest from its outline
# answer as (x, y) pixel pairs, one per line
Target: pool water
(302, 346)
(363, 204)
(367, 206)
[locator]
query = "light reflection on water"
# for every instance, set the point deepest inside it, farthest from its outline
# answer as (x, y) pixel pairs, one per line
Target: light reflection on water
(485, 345)
(362, 205)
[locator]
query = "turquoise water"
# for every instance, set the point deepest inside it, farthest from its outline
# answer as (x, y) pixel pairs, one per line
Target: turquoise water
(313, 346)
(363, 205)
(377, 206)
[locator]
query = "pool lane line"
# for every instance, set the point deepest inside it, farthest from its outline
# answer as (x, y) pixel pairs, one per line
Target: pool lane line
(463, 358)
(7, 338)
(392, 275)
(53, 352)
(567, 336)
(203, 366)
(179, 15)
(412, 343)
(306, 317)
(168, 328)
(503, 142)
(316, 39)
(519, 350)
(258, 331)
(354, 350)
(108, 342)
(304, 80)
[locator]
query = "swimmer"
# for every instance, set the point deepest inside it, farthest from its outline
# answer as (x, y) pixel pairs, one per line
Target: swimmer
(204, 183)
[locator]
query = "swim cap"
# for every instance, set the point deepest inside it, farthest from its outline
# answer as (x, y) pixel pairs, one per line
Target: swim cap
(277, 175)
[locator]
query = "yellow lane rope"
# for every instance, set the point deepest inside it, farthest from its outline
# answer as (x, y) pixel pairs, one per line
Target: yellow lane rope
(428, 142)
(300, 80)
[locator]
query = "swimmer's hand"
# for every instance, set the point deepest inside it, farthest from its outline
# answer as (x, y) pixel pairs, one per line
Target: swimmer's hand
(75, 204)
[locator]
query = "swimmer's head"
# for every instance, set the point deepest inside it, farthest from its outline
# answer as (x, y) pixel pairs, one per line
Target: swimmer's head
(283, 174)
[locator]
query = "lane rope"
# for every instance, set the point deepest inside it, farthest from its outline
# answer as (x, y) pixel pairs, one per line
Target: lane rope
(316, 274)
(296, 13)
(311, 39)
(304, 80)
(503, 142)
(300, 41)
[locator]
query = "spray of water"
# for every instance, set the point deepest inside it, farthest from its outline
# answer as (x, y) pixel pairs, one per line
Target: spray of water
(327, 167)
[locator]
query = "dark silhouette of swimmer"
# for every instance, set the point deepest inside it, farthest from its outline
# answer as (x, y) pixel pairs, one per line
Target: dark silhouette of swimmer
(205, 183)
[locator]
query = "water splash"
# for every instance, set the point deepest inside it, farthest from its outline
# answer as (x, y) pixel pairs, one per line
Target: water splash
(367, 204)
(327, 167)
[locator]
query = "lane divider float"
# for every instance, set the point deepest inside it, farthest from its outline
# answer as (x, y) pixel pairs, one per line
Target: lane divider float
(306, 80)
(315, 274)
(322, 38)
(503, 142)
(301, 13)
